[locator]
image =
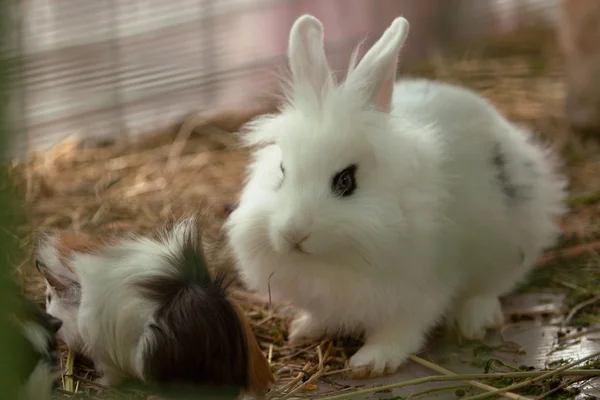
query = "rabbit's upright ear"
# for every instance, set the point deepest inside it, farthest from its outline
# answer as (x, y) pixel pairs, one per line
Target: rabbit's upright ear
(306, 54)
(376, 72)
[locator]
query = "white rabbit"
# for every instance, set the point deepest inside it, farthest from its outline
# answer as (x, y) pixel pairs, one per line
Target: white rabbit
(147, 308)
(381, 207)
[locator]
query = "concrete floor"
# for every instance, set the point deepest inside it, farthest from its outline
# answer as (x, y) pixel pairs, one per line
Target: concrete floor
(539, 339)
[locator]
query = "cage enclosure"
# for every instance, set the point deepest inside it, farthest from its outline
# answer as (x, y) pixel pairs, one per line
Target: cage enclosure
(124, 114)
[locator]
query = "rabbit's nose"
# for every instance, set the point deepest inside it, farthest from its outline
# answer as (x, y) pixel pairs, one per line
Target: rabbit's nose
(295, 237)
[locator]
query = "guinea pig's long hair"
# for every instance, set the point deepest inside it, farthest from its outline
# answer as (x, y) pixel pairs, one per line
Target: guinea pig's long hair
(198, 334)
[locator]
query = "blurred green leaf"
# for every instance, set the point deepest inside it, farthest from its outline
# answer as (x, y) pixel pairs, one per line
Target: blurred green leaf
(12, 354)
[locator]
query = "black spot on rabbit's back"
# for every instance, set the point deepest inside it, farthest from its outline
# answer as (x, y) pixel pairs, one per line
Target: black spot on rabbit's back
(516, 189)
(500, 164)
(531, 170)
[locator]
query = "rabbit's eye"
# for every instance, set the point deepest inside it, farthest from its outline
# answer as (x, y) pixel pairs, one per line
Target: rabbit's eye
(344, 182)
(48, 298)
(282, 169)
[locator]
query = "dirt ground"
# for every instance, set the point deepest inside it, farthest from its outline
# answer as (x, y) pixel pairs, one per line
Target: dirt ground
(551, 321)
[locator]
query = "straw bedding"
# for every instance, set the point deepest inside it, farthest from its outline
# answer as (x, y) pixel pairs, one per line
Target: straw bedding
(136, 186)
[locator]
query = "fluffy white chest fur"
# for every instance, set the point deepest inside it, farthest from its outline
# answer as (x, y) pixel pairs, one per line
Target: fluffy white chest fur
(383, 207)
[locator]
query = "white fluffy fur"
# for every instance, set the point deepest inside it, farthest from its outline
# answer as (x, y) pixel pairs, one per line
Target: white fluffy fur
(112, 318)
(428, 231)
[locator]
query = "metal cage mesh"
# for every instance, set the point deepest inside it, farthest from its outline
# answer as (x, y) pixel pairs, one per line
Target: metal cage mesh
(107, 68)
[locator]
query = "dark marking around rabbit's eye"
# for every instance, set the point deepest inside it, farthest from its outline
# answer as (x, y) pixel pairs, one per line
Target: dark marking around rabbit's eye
(343, 183)
(499, 161)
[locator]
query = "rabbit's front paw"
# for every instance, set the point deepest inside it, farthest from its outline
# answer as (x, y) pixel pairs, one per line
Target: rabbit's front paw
(376, 360)
(304, 327)
(477, 314)
(388, 347)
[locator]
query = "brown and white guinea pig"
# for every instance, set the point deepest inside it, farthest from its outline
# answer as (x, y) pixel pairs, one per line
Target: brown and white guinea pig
(148, 308)
(38, 350)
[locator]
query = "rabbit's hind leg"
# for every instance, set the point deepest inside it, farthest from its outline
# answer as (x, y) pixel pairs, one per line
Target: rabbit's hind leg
(475, 314)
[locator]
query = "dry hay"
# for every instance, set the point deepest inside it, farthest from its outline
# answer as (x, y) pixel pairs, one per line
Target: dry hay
(136, 186)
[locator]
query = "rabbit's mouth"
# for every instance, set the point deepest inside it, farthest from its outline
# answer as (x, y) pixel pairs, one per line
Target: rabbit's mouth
(298, 248)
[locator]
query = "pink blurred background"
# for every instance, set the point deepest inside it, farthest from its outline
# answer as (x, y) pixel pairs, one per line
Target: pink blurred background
(124, 67)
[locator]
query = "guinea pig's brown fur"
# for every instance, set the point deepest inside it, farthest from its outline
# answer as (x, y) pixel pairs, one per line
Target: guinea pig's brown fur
(199, 335)
(226, 354)
(259, 371)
